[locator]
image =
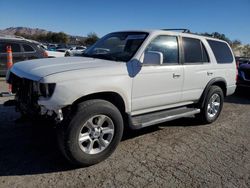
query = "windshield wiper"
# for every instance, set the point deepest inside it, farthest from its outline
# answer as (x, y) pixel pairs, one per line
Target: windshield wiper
(101, 56)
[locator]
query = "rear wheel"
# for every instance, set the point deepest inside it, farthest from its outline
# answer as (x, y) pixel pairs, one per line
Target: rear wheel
(213, 105)
(93, 133)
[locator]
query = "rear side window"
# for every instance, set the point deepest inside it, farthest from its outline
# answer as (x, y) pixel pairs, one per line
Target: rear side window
(28, 48)
(194, 51)
(221, 51)
(14, 46)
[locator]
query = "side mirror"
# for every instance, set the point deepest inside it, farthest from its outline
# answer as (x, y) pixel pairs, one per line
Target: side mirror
(153, 57)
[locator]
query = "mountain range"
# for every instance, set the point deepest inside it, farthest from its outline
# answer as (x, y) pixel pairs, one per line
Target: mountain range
(23, 30)
(30, 31)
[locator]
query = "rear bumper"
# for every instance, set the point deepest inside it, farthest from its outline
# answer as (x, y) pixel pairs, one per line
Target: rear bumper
(243, 83)
(231, 90)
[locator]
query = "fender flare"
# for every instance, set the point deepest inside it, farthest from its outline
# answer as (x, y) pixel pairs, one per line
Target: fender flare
(206, 90)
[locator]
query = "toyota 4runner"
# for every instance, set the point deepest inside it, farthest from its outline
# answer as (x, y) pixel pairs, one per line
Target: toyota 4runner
(127, 79)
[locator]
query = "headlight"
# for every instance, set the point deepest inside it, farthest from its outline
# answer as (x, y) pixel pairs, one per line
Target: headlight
(46, 90)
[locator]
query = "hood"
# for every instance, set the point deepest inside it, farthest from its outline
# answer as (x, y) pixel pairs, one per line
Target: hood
(40, 68)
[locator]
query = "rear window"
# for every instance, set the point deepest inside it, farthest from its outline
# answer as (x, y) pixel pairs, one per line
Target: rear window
(221, 51)
(27, 48)
(14, 46)
(194, 51)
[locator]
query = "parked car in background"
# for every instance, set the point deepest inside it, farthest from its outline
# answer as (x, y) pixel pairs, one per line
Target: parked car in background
(242, 60)
(51, 47)
(62, 48)
(55, 53)
(22, 49)
(58, 49)
(74, 51)
(52, 53)
(243, 79)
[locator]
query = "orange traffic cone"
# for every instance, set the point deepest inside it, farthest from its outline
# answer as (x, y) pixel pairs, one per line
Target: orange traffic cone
(9, 62)
(9, 65)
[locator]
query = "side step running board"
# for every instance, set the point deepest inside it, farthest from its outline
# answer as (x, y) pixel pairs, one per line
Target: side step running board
(140, 121)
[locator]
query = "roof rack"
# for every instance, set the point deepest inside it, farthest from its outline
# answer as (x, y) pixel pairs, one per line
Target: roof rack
(183, 30)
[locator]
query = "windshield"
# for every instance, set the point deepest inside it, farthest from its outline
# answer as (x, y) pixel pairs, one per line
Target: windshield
(120, 46)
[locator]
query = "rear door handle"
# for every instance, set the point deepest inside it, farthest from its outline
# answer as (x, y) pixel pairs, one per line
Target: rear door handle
(176, 75)
(209, 73)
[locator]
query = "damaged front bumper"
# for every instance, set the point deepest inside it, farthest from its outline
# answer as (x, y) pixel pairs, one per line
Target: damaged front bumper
(34, 98)
(48, 112)
(54, 111)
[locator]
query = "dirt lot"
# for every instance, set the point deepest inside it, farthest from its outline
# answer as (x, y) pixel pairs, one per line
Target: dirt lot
(174, 154)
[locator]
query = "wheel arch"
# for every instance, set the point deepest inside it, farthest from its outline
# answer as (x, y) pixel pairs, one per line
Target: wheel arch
(110, 96)
(221, 82)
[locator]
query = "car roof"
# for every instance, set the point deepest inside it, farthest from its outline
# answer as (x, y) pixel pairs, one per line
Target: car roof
(172, 32)
(16, 38)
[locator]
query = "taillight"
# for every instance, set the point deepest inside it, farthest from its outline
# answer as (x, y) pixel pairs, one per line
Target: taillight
(45, 54)
(237, 70)
(237, 64)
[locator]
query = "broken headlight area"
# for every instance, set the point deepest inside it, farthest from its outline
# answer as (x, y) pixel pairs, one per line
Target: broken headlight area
(45, 89)
(29, 93)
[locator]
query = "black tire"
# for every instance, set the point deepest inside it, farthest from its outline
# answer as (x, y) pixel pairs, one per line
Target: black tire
(67, 54)
(204, 116)
(68, 135)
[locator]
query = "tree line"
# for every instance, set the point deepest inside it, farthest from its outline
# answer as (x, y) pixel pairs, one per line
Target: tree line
(61, 38)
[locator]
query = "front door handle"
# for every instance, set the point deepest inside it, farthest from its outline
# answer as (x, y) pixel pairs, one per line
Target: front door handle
(209, 73)
(176, 75)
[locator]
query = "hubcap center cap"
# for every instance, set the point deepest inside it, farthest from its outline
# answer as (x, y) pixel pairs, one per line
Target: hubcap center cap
(96, 132)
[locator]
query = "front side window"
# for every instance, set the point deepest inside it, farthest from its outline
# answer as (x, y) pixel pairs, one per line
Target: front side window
(194, 51)
(14, 46)
(120, 46)
(168, 46)
(221, 51)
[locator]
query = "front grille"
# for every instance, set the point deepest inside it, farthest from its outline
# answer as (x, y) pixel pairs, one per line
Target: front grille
(26, 97)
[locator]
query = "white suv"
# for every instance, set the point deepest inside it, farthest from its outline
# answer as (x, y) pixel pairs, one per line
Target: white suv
(127, 79)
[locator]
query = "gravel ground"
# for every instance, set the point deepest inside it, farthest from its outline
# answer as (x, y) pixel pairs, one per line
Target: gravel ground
(180, 153)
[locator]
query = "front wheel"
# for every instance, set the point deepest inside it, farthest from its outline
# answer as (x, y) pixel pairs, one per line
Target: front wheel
(213, 105)
(93, 133)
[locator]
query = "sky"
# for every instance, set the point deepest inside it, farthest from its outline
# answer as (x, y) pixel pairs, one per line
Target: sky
(80, 17)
